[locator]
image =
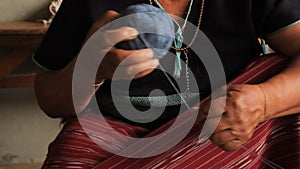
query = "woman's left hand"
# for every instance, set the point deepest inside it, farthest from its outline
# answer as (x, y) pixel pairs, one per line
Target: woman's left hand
(244, 110)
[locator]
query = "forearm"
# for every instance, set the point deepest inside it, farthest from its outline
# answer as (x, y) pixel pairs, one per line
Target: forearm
(54, 92)
(54, 88)
(283, 91)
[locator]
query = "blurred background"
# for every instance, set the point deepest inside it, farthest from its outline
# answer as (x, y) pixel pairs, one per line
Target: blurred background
(25, 131)
(20, 10)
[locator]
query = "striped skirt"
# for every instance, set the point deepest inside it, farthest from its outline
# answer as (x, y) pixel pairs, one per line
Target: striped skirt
(275, 143)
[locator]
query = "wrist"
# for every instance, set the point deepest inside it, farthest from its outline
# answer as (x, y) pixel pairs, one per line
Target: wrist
(269, 101)
(265, 102)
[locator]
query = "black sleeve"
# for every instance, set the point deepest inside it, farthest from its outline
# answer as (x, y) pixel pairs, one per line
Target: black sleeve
(65, 36)
(272, 15)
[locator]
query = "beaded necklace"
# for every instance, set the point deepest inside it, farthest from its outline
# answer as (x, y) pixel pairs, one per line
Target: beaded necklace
(179, 37)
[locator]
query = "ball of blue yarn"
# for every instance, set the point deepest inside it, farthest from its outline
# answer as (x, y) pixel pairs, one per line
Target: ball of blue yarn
(155, 27)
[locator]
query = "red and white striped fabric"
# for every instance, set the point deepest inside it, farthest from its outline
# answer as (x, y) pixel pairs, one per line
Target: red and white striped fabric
(275, 143)
(75, 148)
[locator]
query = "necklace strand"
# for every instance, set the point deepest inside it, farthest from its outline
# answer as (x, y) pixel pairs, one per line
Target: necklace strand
(187, 73)
(179, 37)
(196, 31)
(178, 40)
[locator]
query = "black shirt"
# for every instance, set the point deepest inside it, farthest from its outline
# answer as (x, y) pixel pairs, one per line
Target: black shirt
(232, 26)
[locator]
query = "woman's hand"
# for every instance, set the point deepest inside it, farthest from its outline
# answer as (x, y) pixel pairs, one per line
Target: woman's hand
(137, 61)
(244, 110)
(54, 88)
(248, 105)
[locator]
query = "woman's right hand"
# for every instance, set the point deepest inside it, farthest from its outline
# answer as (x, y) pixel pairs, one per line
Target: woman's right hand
(141, 61)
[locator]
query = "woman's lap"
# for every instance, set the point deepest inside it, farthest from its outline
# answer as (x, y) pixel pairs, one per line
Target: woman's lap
(74, 148)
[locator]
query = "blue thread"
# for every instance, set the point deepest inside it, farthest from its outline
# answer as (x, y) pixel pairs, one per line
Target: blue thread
(148, 18)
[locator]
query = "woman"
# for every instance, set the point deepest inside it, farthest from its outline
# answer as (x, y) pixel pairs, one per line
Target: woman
(233, 28)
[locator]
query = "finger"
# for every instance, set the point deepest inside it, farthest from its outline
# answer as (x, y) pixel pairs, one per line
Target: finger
(222, 125)
(232, 145)
(238, 113)
(211, 112)
(128, 57)
(144, 73)
(135, 69)
(241, 133)
(106, 18)
(214, 108)
(220, 138)
(227, 123)
(218, 115)
(114, 36)
(129, 72)
(235, 87)
(227, 120)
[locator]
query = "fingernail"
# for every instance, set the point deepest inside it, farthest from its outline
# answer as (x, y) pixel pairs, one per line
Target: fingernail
(132, 32)
(149, 52)
(145, 52)
(156, 62)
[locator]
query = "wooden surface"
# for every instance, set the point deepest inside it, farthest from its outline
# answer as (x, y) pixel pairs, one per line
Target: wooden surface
(21, 38)
(16, 81)
(22, 28)
(21, 34)
(12, 59)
